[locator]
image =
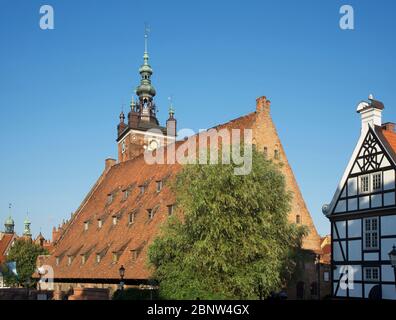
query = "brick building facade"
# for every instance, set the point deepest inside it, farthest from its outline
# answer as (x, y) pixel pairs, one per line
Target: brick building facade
(124, 210)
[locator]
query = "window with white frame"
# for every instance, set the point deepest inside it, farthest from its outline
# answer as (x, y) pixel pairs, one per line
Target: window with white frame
(376, 178)
(371, 274)
(365, 184)
(100, 223)
(371, 233)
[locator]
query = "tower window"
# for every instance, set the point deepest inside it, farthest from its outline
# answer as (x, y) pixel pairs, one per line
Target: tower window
(276, 154)
(170, 209)
(123, 147)
(298, 219)
(265, 151)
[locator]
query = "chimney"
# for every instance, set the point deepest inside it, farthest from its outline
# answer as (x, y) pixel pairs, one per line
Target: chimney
(109, 163)
(370, 112)
(262, 104)
(389, 126)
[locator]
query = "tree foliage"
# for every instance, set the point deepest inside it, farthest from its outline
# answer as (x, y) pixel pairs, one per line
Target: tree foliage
(230, 237)
(25, 254)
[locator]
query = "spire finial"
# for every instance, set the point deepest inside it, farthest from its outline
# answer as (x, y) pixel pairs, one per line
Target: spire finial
(146, 33)
(171, 108)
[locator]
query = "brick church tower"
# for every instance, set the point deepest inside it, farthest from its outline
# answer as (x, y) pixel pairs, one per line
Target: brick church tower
(142, 130)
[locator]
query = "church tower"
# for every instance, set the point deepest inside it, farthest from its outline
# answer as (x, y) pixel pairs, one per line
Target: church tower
(142, 130)
(26, 230)
(9, 223)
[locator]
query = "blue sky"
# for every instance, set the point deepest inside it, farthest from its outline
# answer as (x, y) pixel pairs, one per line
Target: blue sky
(61, 90)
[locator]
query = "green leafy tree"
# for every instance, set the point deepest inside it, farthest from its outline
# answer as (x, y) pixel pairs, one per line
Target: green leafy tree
(25, 254)
(230, 237)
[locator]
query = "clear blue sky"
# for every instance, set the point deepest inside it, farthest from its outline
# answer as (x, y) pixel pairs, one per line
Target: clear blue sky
(61, 90)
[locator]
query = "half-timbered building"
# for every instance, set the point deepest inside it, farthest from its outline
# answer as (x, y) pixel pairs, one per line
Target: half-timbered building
(363, 212)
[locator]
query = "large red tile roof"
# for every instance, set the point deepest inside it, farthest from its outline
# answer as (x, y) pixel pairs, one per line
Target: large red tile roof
(5, 242)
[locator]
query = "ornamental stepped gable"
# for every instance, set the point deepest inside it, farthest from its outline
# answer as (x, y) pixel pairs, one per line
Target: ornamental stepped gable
(113, 226)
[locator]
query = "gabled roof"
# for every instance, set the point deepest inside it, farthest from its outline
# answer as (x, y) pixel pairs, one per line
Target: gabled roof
(6, 240)
(130, 240)
(387, 140)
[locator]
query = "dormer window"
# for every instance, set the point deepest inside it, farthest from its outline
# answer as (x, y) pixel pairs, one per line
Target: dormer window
(159, 185)
(170, 209)
(131, 217)
(110, 198)
(134, 255)
(125, 194)
(115, 220)
(115, 257)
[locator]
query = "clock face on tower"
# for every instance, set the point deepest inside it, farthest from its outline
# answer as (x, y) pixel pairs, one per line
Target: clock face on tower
(153, 144)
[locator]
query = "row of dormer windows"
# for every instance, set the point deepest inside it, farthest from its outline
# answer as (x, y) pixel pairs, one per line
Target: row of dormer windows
(131, 217)
(99, 256)
(126, 193)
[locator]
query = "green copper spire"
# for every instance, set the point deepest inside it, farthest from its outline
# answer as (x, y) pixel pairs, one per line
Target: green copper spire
(9, 223)
(26, 231)
(145, 90)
